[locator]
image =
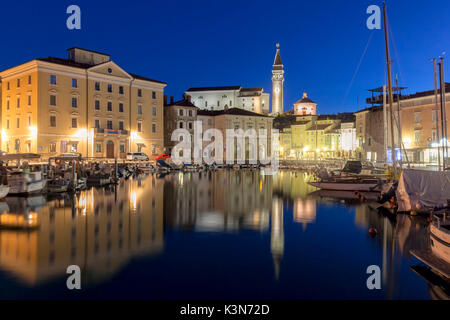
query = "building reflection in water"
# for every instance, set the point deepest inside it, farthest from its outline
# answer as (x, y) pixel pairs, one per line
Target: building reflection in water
(99, 230)
(102, 229)
(224, 201)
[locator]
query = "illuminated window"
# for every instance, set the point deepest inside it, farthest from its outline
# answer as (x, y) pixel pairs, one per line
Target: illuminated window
(74, 123)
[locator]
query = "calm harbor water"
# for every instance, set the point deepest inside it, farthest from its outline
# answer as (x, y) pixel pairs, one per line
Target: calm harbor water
(227, 234)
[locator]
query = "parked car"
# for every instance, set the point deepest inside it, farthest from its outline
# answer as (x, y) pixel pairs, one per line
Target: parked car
(135, 156)
(164, 156)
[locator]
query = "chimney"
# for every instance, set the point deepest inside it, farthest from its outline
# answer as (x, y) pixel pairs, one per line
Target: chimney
(171, 99)
(165, 100)
(188, 98)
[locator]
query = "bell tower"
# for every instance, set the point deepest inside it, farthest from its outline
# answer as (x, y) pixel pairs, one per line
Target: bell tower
(277, 84)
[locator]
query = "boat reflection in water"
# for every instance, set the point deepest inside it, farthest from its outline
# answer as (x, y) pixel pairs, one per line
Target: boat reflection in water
(223, 234)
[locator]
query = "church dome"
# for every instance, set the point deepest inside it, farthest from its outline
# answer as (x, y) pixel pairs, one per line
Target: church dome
(304, 99)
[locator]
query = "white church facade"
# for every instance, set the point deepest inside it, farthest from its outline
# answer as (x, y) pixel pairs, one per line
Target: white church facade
(220, 98)
(250, 99)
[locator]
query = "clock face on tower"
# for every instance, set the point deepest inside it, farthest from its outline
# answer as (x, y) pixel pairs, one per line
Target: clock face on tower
(277, 90)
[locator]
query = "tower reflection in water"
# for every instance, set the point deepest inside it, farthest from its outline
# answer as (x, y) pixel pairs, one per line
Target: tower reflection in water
(99, 230)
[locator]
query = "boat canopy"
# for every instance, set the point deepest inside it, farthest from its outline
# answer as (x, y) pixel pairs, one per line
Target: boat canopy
(352, 167)
(19, 156)
(67, 158)
(420, 190)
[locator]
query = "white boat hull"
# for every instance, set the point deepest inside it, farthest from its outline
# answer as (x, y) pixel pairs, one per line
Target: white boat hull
(342, 186)
(440, 244)
(27, 187)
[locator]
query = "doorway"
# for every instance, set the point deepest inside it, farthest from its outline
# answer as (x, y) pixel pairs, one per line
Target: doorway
(110, 149)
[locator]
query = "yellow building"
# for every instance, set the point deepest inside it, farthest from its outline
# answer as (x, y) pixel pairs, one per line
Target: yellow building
(86, 104)
(310, 136)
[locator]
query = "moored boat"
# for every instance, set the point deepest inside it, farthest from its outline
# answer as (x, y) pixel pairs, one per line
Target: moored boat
(364, 185)
(440, 237)
(58, 186)
(21, 182)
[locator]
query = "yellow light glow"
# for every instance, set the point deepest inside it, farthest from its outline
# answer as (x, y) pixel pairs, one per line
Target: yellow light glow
(407, 141)
(33, 131)
(134, 135)
(81, 134)
(305, 148)
(4, 135)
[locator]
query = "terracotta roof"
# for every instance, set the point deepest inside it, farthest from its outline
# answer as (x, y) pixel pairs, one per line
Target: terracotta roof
(74, 64)
(136, 76)
(213, 88)
(304, 100)
(318, 127)
(105, 54)
(66, 62)
(425, 93)
(251, 89)
(183, 103)
(231, 111)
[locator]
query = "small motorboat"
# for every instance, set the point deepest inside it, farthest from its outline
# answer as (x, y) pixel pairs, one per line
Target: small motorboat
(21, 182)
(440, 237)
(58, 186)
(351, 184)
(99, 180)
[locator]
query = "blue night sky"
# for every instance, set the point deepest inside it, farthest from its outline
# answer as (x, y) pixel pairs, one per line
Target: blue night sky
(215, 43)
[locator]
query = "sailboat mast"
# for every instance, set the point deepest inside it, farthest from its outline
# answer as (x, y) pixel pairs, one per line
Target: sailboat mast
(391, 102)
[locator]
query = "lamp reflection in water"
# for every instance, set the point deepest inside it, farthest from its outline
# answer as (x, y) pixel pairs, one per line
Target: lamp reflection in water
(277, 235)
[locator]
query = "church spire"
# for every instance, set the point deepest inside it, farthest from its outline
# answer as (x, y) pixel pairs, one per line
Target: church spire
(277, 61)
